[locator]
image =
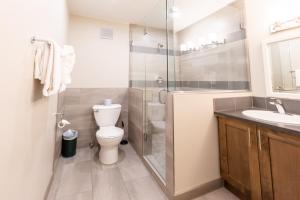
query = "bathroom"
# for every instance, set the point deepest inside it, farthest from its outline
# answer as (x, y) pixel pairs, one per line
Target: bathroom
(170, 99)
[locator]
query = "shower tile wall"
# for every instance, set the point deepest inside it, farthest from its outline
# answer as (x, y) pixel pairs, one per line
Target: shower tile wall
(77, 108)
(146, 56)
(136, 119)
(222, 67)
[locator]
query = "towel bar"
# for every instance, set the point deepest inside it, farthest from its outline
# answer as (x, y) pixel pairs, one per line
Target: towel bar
(34, 39)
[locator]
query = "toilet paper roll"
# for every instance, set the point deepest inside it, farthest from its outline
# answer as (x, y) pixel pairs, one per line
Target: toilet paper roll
(63, 123)
(107, 102)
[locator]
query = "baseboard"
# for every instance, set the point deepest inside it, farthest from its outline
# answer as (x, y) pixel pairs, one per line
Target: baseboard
(200, 190)
(53, 184)
(49, 187)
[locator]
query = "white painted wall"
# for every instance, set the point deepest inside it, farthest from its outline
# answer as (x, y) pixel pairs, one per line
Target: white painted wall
(27, 121)
(260, 14)
(100, 63)
(196, 157)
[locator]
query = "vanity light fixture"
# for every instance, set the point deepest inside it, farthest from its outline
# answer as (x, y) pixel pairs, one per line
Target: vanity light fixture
(208, 44)
(282, 26)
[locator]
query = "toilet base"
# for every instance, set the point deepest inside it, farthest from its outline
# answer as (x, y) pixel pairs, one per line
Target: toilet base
(109, 155)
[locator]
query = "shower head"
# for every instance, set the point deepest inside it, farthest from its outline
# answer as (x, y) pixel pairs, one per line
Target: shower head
(146, 31)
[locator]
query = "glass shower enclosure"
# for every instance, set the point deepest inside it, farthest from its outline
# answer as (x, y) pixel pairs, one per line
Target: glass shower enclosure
(152, 73)
(172, 51)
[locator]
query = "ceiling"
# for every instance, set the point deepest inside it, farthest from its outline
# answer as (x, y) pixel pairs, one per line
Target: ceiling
(191, 11)
(122, 11)
(146, 12)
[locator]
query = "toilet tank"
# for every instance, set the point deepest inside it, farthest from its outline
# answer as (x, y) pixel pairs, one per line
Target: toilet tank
(107, 115)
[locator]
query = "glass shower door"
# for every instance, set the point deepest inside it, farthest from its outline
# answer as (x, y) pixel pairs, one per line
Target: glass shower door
(156, 88)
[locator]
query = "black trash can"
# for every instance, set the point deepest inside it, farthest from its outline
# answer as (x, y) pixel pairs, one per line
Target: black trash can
(69, 142)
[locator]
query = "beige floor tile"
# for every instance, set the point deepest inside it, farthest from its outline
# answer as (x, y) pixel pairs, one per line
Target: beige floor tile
(81, 196)
(109, 185)
(128, 149)
(134, 172)
(202, 198)
(82, 154)
(85, 178)
(144, 189)
(220, 194)
(98, 166)
(128, 158)
(76, 178)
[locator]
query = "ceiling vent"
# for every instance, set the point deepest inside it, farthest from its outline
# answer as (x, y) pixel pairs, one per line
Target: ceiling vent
(107, 33)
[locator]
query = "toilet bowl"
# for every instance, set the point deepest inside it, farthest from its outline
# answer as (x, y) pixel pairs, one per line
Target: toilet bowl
(108, 136)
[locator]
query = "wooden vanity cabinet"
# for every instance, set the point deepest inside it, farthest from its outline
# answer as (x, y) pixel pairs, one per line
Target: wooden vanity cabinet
(257, 162)
(239, 158)
(279, 155)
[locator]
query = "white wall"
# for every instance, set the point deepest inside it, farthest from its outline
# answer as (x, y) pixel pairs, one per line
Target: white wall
(260, 14)
(27, 123)
(100, 63)
(196, 158)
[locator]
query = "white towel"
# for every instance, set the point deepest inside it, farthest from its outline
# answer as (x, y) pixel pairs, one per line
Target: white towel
(68, 60)
(297, 76)
(39, 61)
(53, 66)
(53, 71)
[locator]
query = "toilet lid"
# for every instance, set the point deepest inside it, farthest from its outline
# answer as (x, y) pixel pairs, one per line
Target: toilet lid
(103, 107)
(110, 132)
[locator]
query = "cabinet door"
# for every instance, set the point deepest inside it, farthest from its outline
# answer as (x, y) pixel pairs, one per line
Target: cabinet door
(279, 156)
(239, 158)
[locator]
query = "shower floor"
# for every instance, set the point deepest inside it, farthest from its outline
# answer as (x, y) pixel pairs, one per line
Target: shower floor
(158, 156)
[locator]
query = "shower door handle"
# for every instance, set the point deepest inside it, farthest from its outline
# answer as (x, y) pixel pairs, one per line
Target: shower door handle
(159, 95)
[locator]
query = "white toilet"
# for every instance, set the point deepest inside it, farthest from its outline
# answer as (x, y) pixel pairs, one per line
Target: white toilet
(108, 135)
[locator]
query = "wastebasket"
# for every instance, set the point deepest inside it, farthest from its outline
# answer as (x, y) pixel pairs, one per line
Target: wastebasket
(69, 142)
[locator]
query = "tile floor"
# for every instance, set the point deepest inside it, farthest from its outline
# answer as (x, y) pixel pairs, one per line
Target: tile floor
(220, 194)
(85, 178)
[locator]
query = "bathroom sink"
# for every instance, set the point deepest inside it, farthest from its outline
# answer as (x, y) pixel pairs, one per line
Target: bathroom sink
(271, 116)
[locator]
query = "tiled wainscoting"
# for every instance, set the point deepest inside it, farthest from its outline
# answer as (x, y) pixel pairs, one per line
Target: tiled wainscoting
(192, 85)
(240, 103)
(135, 119)
(76, 104)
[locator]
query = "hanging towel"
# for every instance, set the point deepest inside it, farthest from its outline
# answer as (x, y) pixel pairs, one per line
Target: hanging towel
(67, 60)
(53, 70)
(40, 61)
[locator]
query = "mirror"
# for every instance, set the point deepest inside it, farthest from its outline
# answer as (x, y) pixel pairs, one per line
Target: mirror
(285, 65)
(282, 65)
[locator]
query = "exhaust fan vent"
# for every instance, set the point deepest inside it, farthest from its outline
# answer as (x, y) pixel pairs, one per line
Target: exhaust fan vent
(107, 33)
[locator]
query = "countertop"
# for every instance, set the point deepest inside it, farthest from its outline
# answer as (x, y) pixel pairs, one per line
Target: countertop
(295, 130)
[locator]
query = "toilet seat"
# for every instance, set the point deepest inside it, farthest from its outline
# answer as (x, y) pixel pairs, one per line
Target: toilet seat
(110, 132)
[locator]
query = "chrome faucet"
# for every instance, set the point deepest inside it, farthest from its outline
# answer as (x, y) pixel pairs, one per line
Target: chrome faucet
(278, 103)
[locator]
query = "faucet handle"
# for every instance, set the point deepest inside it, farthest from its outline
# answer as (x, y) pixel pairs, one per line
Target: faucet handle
(275, 101)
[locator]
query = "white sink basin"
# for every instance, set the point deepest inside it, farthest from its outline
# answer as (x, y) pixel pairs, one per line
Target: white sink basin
(273, 117)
